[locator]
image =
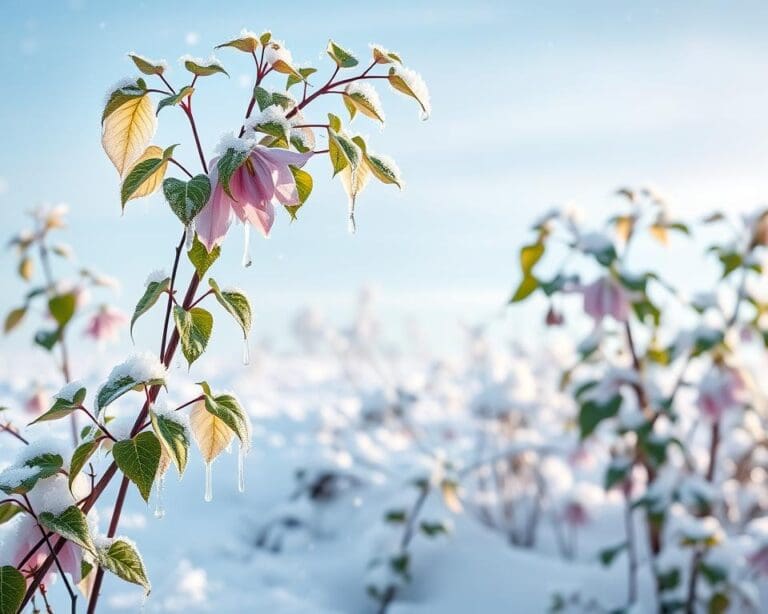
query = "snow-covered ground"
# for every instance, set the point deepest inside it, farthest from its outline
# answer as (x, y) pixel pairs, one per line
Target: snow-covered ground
(346, 434)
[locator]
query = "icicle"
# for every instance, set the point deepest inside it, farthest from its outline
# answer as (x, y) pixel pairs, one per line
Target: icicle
(208, 482)
(159, 508)
(241, 468)
(190, 236)
(247, 246)
(351, 226)
(246, 353)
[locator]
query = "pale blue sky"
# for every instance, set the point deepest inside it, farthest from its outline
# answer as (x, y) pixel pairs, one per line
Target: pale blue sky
(534, 103)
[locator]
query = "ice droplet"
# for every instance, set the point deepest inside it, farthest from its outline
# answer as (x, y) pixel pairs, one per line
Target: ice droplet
(159, 508)
(190, 237)
(247, 246)
(208, 482)
(246, 353)
(351, 225)
(241, 468)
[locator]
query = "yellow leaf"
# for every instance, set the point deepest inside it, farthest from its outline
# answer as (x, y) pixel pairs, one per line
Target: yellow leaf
(660, 234)
(164, 464)
(127, 131)
(624, 226)
(145, 183)
(354, 182)
(211, 433)
(451, 496)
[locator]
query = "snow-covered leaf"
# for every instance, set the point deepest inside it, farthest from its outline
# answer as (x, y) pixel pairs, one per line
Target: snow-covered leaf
(127, 130)
(152, 293)
(187, 198)
(236, 303)
(194, 327)
(173, 435)
(123, 560)
(71, 524)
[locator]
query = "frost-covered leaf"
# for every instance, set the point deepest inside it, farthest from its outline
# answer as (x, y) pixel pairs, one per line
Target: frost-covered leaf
(175, 99)
(63, 406)
(80, 457)
(13, 586)
(20, 480)
(232, 160)
(173, 435)
(147, 66)
(303, 73)
(364, 98)
(147, 174)
(211, 433)
(138, 370)
(411, 84)
(194, 327)
(127, 130)
(227, 409)
(203, 68)
(187, 198)
(8, 511)
(236, 303)
(382, 56)
(14, 318)
(246, 42)
(592, 413)
(342, 57)
(71, 524)
(152, 293)
(47, 338)
(383, 168)
(342, 151)
(123, 560)
(122, 94)
(201, 258)
(138, 459)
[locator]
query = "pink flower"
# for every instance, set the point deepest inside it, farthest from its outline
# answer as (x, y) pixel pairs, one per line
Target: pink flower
(28, 533)
(263, 177)
(37, 403)
(575, 514)
(605, 297)
(105, 324)
(721, 389)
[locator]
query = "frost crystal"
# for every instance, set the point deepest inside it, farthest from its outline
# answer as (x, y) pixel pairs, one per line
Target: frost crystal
(68, 392)
(140, 367)
(230, 140)
(275, 51)
(417, 85)
(211, 61)
(14, 476)
(369, 94)
(155, 276)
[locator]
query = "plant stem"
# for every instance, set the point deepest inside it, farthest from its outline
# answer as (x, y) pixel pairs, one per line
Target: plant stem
(7, 428)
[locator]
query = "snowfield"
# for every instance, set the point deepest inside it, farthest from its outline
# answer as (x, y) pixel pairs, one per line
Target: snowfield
(346, 435)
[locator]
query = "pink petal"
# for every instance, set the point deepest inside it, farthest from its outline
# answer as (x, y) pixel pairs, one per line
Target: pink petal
(254, 195)
(214, 220)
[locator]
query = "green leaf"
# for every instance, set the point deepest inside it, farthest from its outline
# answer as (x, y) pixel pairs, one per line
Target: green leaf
(47, 338)
(342, 57)
(383, 170)
(139, 174)
(303, 72)
(236, 303)
(232, 160)
(152, 293)
(45, 466)
(432, 529)
(194, 328)
(201, 258)
(262, 97)
(123, 560)
(71, 524)
(358, 101)
(530, 255)
(607, 555)
(14, 318)
(80, 457)
(247, 44)
(401, 85)
(304, 184)
(138, 459)
(122, 95)
(8, 511)
(62, 308)
(187, 198)
(116, 387)
(593, 413)
(396, 516)
(228, 410)
(525, 289)
(13, 586)
(63, 407)
(172, 101)
(145, 66)
(342, 151)
(173, 435)
(203, 70)
(334, 122)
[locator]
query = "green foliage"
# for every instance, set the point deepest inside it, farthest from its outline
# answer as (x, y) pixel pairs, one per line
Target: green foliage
(152, 293)
(173, 437)
(138, 459)
(342, 57)
(45, 466)
(120, 96)
(194, 328)
(80, 457)
(236, 304)
(607, 555)
(175, 99)
(71, 524)
(8, 511)
(145, 66)
(201, 258)
(304, 184)
(201, 70)
(123, 560)
(14, 318)
(228, 410)
(63, 407)
(529, 256)
(12, 589)
(592, 413)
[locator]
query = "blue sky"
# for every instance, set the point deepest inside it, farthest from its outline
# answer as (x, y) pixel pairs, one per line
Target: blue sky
(534, 104)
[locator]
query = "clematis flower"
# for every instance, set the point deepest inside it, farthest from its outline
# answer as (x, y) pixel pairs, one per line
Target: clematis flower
(721, 389)
(263, 178)
(28, 534)
(105, 324)
(605, 297)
